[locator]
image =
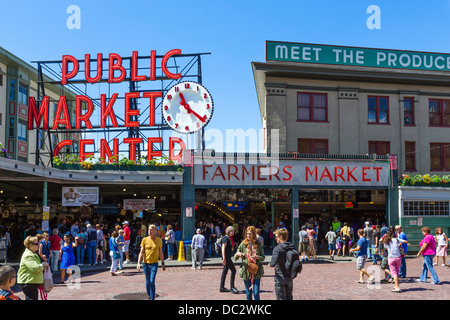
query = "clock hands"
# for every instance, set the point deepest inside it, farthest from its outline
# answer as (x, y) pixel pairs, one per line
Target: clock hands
(189, 110)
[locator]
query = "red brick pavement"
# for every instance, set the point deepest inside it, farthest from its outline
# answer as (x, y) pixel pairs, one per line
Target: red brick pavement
(318, 281)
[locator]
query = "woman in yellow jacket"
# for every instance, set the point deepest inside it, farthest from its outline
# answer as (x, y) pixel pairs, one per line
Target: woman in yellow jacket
(31, 270)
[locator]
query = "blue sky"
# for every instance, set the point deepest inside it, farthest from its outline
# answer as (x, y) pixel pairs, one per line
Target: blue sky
(233, 31)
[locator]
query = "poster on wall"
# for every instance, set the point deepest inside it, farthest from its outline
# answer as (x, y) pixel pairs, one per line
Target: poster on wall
(79, 196)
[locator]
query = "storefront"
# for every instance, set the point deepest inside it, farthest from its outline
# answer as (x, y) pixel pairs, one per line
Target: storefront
(104, 196)
(290, 189)
(422, 206)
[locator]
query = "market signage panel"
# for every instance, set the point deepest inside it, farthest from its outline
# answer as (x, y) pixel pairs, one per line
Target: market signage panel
(139, 204)
(356, 56)
(292, 173)
(79, 196)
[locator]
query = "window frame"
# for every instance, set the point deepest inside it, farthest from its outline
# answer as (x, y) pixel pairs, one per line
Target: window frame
(441, 113)
(378, 146)
(442, 157)
(411, 113)
(409, 208)
(377, 110)
(311, 145)
(413, 156)
(312, 107)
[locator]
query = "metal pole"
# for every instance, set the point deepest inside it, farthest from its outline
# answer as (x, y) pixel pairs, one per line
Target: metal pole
(44, 198)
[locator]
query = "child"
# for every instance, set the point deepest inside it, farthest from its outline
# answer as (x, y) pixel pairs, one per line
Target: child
(385, 267)
(441, 246)
(7, 280)
(338, 245)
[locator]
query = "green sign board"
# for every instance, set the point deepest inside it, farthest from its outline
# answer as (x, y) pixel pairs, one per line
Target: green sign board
(354, 56)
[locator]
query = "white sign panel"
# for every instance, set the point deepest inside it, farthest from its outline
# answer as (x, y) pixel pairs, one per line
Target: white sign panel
(294, 172)
(79, 196)
(139, 204)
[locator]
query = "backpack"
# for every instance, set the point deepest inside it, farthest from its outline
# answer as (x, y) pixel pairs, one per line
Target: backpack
(218, 246)
(80, 239)
(305, 238)
(293, 266)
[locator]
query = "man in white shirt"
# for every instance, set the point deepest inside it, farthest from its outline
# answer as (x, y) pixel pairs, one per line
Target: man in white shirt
(198, 249)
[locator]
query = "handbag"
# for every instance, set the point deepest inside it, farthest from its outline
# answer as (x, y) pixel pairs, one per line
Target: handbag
(116, 255)
(402, 251)
(252, 267)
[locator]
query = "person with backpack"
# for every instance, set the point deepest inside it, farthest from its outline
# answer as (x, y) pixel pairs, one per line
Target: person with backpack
(227, 252)
(251, 250)
(285, 260)
(81, 247)
(303, 243)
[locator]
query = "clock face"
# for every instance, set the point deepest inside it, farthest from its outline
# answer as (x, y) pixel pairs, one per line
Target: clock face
(187, 107)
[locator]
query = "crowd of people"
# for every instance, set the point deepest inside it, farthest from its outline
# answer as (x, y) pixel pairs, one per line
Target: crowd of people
(79, 243)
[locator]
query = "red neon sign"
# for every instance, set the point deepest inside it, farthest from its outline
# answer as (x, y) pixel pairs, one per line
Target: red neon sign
(84, 107)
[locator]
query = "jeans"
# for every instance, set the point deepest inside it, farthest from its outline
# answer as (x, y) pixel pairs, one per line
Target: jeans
(375, 257)
(170, 249)
(150, 270)
(254, 289)
(80, 254)
(55, 260)
(283, 289)
(369, 252)
(114, 262)
(402, 272)
(197, 253)
(91, 251)
(229, 265)
(428, 266)
(121, 260)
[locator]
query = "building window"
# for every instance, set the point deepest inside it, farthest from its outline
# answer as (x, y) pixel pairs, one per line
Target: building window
(23, 94)
(425, 208)
(440, 156)
(312, 107)
(439, 112)
(410, 156)
(1, 80)
(22, 132)
(378, 110)
(12, 90)
(379, 147)
(11, 128)
(408, 111)
(318, 146)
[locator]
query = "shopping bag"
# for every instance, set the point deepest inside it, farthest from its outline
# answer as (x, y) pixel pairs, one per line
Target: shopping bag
(48, 280)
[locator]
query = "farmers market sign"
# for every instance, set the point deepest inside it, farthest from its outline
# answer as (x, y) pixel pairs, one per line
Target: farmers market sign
(356, 56)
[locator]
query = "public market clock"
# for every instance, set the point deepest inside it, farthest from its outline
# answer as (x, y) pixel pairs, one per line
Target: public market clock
(187, 107)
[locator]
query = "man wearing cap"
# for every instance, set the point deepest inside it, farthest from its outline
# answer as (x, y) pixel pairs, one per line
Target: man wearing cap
(335, 224)
(126, 238)
(198, 249)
